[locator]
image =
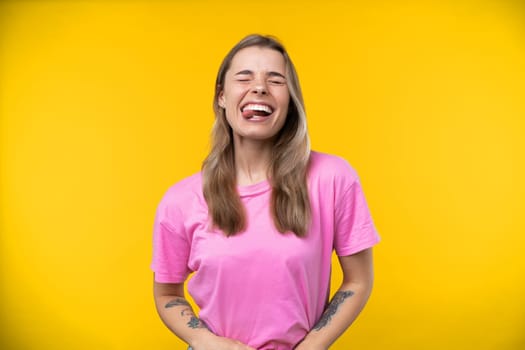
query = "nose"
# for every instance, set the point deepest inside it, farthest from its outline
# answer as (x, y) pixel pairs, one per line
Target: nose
(259, 87)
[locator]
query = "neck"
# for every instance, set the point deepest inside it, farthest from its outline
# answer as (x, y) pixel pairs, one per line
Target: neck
(252, 160)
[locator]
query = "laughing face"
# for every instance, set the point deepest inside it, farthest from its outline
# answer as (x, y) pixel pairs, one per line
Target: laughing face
(255, 94)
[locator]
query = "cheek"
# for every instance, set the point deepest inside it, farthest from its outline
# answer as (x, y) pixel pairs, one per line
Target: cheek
(233, 91)
(286, 103)
(285, 99)
(231, 102)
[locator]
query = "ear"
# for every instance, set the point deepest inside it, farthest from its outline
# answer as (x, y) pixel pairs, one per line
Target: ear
(221, 100)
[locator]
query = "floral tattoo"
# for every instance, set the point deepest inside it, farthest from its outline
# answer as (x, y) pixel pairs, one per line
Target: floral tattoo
(330, 311)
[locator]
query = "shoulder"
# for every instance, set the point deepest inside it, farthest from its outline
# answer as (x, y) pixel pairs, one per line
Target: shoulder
(186, 186)
(183, 194)
(328, 167)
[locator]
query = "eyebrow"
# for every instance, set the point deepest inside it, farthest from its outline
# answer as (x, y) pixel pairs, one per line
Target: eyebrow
(270, 74)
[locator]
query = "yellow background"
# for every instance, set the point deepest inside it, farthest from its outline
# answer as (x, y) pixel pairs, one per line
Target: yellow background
(104, 105)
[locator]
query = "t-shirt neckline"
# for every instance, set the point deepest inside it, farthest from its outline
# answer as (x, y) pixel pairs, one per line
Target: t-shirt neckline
(254, 189)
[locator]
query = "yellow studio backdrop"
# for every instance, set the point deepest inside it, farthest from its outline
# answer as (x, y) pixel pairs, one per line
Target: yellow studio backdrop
(105, 104)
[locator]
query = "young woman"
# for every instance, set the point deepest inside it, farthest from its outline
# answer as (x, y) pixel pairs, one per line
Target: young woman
(258, 224)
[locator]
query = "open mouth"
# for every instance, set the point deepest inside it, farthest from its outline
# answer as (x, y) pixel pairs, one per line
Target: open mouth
(256, 110)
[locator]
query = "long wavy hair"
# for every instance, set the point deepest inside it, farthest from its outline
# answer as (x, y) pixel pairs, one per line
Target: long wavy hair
(290, 205)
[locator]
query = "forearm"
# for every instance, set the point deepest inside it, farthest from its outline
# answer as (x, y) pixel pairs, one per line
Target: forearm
(340, 313)
(178, 316)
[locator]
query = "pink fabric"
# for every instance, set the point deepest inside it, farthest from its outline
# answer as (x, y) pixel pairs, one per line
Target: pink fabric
(261, 287)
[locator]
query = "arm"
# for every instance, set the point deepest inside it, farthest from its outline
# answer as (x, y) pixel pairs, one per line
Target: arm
(177, 314)
(346, 304)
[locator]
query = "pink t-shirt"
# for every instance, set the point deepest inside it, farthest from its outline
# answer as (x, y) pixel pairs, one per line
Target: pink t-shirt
(261, 287)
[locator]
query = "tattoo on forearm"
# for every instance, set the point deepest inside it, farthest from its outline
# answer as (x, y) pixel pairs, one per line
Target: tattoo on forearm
(196, 323)
(176, 302)
(186, 311)
(330, 311)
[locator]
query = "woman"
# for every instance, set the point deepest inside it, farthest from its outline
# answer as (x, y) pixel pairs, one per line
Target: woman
(258, 225)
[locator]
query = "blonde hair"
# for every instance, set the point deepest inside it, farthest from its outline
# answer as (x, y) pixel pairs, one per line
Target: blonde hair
(290, 205)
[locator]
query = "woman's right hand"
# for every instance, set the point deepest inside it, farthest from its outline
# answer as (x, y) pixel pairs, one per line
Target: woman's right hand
(213, 342)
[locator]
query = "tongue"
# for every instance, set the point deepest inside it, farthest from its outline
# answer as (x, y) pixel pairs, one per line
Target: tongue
(250, 114)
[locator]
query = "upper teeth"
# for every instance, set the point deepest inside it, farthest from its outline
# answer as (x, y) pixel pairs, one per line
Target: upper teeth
(257, 107)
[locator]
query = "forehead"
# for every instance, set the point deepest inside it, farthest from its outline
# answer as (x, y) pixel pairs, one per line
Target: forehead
(258, 59)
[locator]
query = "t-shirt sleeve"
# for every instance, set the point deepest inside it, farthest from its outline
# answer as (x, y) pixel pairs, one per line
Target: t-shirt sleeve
(354, 228)
(171, 245)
